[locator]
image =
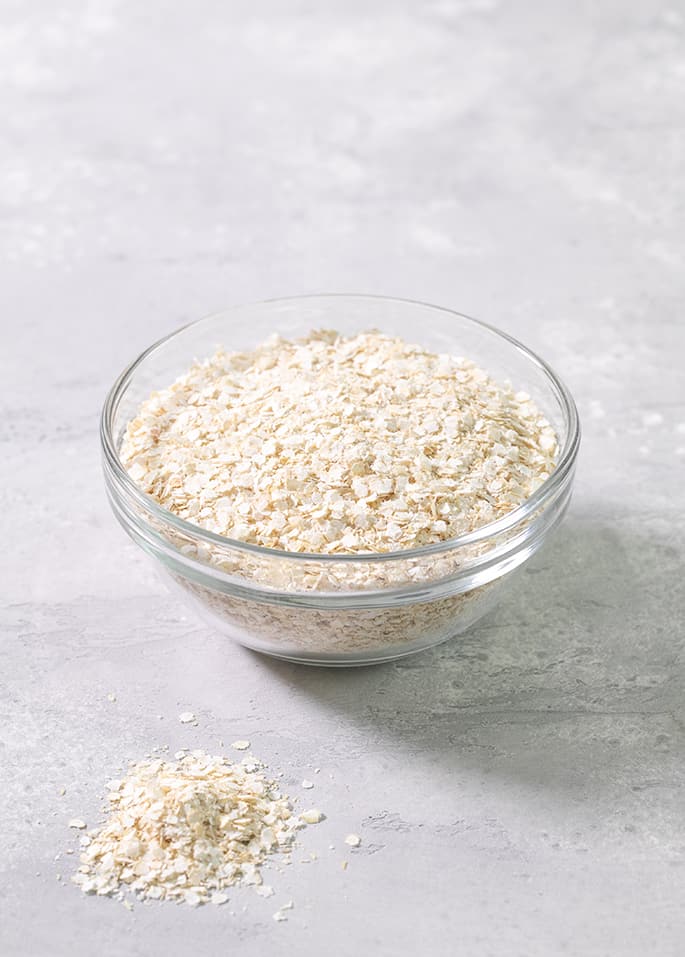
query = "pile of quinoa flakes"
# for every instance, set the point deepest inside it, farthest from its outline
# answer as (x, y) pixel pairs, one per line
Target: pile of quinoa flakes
(330, 444)
(186, 829)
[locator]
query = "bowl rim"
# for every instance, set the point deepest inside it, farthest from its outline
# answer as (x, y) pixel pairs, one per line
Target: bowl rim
(563, 467)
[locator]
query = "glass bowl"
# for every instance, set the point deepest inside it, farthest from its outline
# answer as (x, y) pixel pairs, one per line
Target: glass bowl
(340, 609)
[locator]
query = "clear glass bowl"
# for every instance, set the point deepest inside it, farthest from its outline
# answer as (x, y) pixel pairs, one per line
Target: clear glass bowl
(340, 609)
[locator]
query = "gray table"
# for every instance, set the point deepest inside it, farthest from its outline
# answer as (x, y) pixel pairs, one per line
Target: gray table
(520, 791)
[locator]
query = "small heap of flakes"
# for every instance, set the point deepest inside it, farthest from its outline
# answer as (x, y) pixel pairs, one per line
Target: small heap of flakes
(184, 830)
(334, 444)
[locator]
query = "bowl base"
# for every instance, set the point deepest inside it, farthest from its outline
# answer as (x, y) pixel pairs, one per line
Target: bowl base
(361, 659)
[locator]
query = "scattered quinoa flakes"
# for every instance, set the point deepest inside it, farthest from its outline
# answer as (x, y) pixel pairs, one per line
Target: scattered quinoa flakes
(185, 830)
(313, 816)
(332, 444)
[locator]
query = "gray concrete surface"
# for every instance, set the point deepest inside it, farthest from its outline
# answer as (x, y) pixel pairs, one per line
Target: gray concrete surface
(519, 792)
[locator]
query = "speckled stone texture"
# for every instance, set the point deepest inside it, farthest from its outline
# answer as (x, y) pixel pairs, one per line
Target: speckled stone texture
(519, 791)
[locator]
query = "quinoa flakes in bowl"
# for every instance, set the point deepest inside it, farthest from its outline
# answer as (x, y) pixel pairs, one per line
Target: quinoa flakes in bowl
(339, 479)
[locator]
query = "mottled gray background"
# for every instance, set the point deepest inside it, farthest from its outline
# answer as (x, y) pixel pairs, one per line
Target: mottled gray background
(518, 792)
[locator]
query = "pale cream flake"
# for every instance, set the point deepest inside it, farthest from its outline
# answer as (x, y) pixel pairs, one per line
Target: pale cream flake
(280, 914)
(186, 717)
(313, 816)
(241, 745)
(185, 830)
(330, 444)
(354, 840)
